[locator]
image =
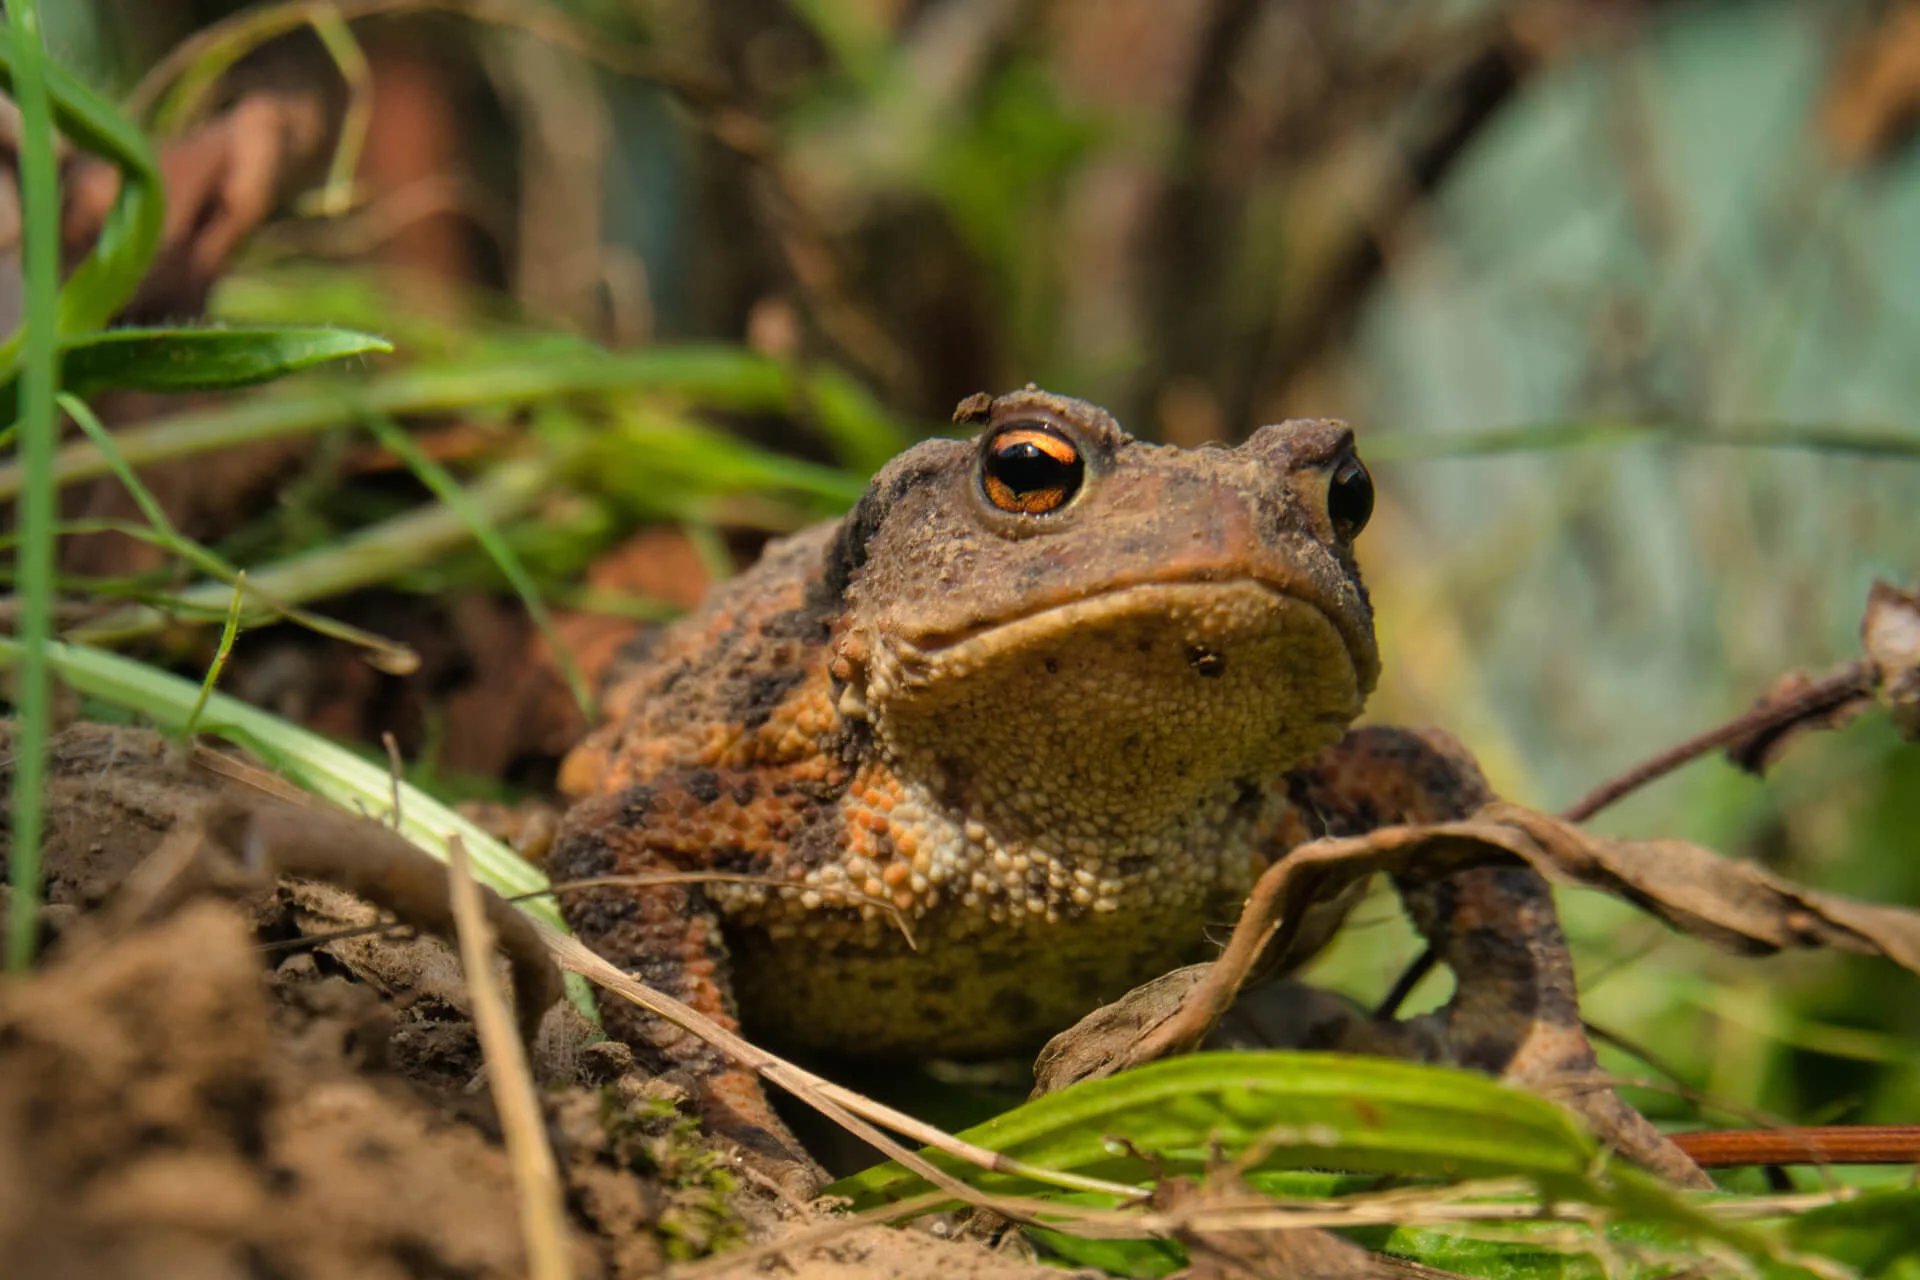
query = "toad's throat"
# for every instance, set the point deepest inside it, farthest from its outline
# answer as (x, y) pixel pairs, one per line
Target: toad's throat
(1123, 712)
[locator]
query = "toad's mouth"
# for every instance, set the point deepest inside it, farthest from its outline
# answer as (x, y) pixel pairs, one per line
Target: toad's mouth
(1197, 606)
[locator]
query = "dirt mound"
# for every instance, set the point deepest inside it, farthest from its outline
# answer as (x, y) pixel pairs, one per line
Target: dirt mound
(150, 1125)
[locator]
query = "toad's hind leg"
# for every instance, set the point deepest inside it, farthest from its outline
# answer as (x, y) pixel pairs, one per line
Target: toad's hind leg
(669, 936)
(1515, 1012)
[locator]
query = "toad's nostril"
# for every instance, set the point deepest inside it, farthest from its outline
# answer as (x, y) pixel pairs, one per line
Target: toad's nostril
(1206, 662)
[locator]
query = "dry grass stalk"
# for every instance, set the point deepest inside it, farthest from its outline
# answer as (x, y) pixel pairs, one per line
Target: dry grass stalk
(855, 1112)
(542, 1204)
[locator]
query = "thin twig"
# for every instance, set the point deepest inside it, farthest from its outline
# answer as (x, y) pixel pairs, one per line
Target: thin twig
(1403, 986)
(394, 929)
(543, 1214)
(1633, 1048)
(1813, 1144)
(1851, 681)
(846, 1107)
(397, 771)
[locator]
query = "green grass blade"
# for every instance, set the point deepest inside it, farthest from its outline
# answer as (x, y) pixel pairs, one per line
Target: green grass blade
(40, 198)
(1306, 1110)
(388, 654)
(178, 360)
(653, 451)
(1877, 1234)
(862, 434)
(1535, 437)
(156, 515)
(719, 377)
(130, 235)
(322, 767)
(326, 769)
(228, 634)
(484, 531)
(374, 554)
(1285, 1110)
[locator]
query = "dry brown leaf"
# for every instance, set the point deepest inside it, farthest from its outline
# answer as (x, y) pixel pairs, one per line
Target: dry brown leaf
(1803, 705)
(1733, 904)
(1890, 633)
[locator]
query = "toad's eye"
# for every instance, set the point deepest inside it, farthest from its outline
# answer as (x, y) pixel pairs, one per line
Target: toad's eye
(1031, 469)
(1349, 497)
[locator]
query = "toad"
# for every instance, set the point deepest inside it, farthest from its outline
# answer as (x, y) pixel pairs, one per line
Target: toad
(1016, 735)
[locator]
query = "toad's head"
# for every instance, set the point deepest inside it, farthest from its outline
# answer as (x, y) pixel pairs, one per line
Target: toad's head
(1062, 625)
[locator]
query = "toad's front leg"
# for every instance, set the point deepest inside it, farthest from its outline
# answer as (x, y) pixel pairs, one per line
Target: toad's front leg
(1515, 1012)
(669, 936)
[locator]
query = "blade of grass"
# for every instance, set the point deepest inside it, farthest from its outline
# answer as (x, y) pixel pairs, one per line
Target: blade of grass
(314, 763)
(390, 655)
(719, 377)
(371, 555)
(317, 765)
(219, 663)
(457, 500)
(1301, 1109)
(1269, 1110)
(863, 436)
(130, 235)
(40, 198)
(350, 60)
(204, 359)
(194, 67)
(1536, 437)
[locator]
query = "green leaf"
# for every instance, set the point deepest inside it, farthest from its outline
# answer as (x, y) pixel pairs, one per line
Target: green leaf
(1283, 1110)
(96, 289)
(1512, 1251)
(33, 348)
(1134, 1259)
(315, 763)
(1877, 1234)
(714, 377)
(1304, 1110)
(325, 768)
(175, 360)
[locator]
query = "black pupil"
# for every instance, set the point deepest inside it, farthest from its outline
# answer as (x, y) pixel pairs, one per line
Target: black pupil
(1350, 499)
(1024, 467)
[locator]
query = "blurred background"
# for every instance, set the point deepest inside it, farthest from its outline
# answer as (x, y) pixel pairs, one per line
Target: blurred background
(1623, 298)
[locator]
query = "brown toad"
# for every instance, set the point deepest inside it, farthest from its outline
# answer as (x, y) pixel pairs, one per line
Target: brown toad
(1055, 697)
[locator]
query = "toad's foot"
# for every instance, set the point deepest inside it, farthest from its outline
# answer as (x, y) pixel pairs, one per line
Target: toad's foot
(1515, 1012)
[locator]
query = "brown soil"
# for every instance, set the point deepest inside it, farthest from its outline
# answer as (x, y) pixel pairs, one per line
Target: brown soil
(206, 1094)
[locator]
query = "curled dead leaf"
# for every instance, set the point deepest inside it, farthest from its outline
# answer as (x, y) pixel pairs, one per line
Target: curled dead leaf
(1734, 904)
(1890, 633)
(1695, 890)
(1796, 704)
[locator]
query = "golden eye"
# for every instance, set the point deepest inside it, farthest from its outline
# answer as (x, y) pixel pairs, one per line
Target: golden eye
(1031, 469)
